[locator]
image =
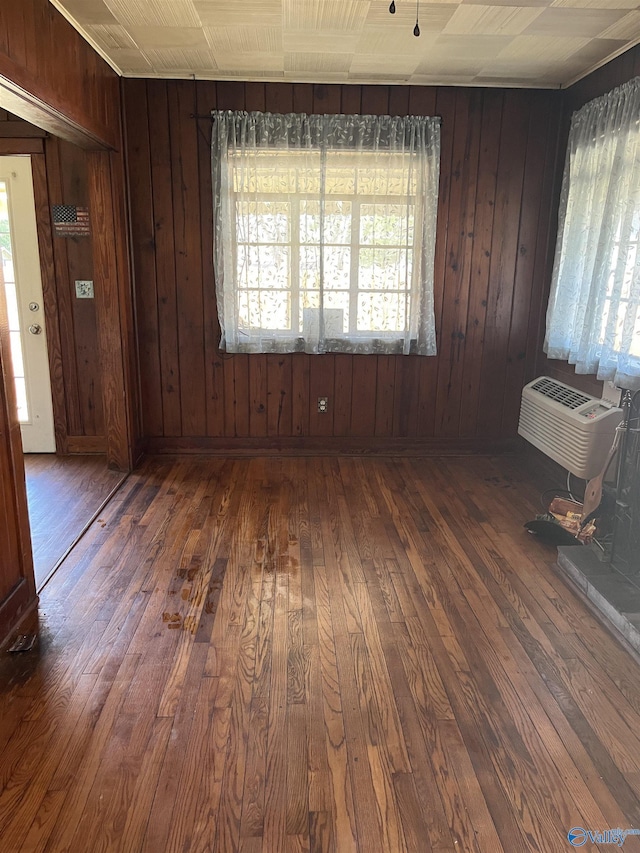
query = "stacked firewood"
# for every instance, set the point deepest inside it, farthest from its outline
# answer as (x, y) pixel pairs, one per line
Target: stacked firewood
(569, 514)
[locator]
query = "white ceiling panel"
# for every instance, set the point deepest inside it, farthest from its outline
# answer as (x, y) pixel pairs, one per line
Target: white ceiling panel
(244, 39)
(547, 43)
(154, 13)
(491, 20)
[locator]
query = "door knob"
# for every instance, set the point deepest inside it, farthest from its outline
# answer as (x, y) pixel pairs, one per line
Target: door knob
(35, 329)
(33, 306)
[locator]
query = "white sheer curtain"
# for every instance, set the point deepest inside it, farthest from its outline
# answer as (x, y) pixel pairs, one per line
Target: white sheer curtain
(324, 230)
(593, 318)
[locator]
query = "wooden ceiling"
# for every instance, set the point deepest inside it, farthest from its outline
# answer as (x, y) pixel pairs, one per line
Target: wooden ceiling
(547, 43)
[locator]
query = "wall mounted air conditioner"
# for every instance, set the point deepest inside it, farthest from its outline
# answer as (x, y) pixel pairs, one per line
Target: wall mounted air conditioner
(571, 427)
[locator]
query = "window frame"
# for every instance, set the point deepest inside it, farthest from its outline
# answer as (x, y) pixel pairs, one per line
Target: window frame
(354, 246)
(415, 141)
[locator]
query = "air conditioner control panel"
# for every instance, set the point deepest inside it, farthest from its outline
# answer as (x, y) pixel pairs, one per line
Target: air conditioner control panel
(594, 411)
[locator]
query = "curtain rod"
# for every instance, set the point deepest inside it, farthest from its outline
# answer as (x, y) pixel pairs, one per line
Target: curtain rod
(197, 117)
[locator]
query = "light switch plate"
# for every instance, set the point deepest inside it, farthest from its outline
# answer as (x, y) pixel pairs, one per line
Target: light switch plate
(84, 289)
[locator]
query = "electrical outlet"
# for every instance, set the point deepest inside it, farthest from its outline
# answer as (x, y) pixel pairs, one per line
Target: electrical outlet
(323, 404)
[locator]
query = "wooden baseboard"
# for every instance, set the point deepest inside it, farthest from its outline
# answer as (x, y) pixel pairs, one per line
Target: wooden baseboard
(343, 446)
(15, 608)
(86, 444)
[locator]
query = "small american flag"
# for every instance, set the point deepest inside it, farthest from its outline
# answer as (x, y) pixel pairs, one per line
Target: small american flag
(70, 221)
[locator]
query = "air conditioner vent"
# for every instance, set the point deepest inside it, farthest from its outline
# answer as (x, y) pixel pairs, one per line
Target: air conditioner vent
(562, 394)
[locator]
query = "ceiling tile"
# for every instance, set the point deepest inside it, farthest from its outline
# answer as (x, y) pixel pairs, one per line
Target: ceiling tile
(179, 60)
(131, 61)
(223, 13)
(512, 3)
(89, 11)
(596, 4)
(297, 42)
(433, 18)
(110, 36)
(464, 47)
(594, 51)
(154, 13)
(315, 63)
(377, 43)
(244, 39)
(540, 49)
(625, 28)
(397, 64)
(253, 63)
(491, 20)
(157, 37)
(564, 22)
(338, 15)
(487, 42)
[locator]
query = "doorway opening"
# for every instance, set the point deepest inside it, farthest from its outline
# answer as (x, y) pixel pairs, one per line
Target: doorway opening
(65, 493)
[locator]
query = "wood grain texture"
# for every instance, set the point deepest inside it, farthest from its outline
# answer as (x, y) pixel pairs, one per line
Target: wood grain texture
(50, 77)
(317, 654)
(113, 332)
(17, 584)
(77, 99)
(491, 254)
(50, 300)
(63, 494)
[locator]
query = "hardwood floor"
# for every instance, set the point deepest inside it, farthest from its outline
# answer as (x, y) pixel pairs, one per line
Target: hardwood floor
(292, 654)
(63, 493)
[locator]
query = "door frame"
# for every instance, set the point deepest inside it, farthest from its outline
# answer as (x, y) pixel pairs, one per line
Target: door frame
(114, 300)
(114, 306)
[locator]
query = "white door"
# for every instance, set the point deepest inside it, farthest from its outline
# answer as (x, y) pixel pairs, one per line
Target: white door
(23, 291)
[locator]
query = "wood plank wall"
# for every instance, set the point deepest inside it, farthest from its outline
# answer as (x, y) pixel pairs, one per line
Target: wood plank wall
(52, 78)
(60, 177)
(73, 346)
(41, 54)
(496, 193)
(613, 74)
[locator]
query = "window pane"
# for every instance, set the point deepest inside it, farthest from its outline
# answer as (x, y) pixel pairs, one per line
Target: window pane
(309, 299)
(309, 267)
(7, 263)
(334, 220)
(337, 267)
(16, 354)
(337, 301)
(337, 222)
(382, 312)
(263, 221)
(322, 225)
(309, 221)
(265, 309)
(263, 266)
(21, 394)
(384, 269)
(629, 269)
(386, 224)
(12, 304)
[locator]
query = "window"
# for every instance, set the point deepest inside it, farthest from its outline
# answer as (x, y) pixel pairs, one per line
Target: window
(325, 232)
(593, 319)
